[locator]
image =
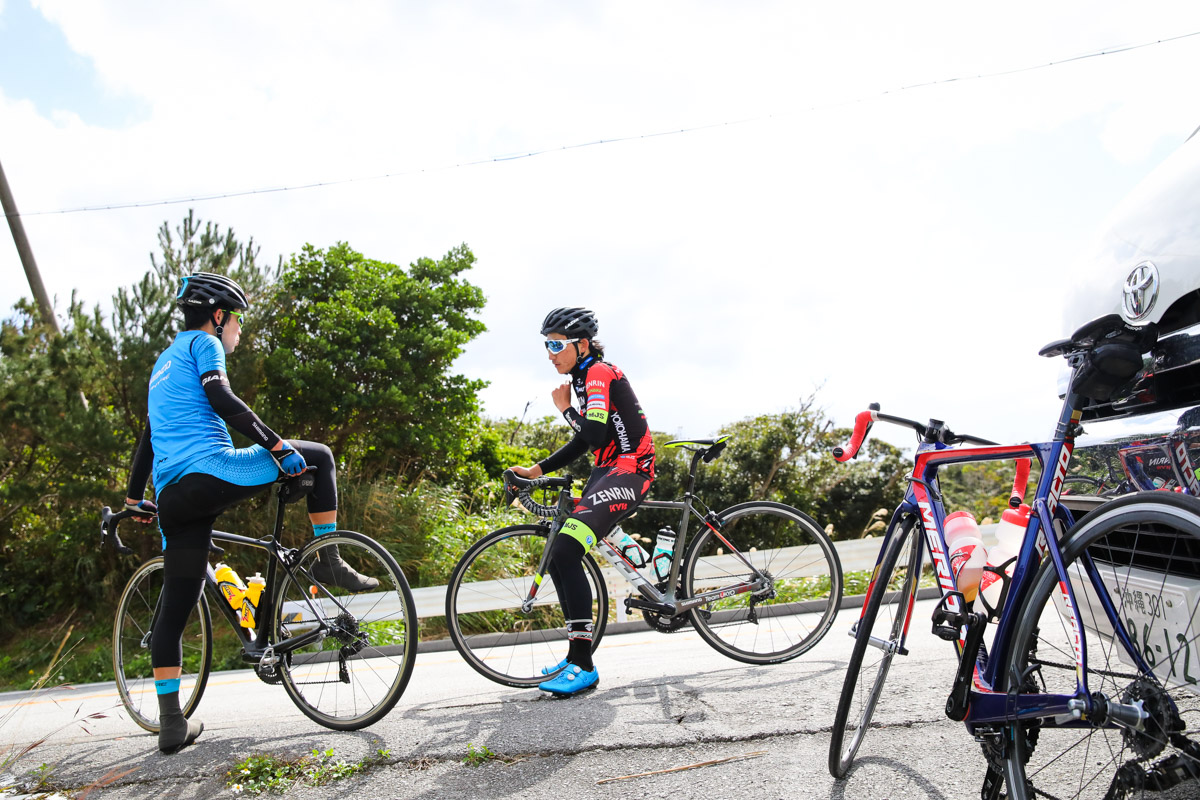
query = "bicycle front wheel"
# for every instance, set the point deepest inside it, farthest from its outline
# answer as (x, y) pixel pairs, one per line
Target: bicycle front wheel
(131, 648)
(877, 638)
(497, 637)
(804, 583)
(1145, 550)
(352, 674)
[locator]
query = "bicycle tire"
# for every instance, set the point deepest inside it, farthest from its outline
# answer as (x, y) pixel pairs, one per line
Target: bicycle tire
(857, 702)
(132, 627)
(1157, 530)
(804, 595)
(353, 676)
(483, 608)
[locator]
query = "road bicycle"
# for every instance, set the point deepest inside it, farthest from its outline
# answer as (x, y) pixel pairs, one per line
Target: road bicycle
(344, 659)
(1089, 687)
(758, 604)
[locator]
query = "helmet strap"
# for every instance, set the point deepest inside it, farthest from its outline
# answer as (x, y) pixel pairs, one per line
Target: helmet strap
(218, 324)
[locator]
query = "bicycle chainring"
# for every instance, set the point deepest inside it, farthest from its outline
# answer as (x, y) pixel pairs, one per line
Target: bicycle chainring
(661, 622)
(272, 675)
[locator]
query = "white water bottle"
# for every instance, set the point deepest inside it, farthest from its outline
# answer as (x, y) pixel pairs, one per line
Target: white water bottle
(967, 553)
(1010, 533)
(627, 547)
(664, 552)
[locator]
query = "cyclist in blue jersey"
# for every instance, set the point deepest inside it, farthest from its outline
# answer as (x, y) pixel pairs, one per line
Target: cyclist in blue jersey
(609, 422)
(198, 473)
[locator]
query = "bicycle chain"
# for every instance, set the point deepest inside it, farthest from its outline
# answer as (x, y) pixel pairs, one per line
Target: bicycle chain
(1071, 668)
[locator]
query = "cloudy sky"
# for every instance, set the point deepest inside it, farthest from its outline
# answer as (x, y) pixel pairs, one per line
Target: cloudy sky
(804, 222)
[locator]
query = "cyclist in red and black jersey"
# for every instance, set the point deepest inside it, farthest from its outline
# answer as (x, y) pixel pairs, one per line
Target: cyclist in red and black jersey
(609, 422)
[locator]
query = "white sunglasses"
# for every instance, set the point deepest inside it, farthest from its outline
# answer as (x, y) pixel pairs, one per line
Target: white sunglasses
(556, 346)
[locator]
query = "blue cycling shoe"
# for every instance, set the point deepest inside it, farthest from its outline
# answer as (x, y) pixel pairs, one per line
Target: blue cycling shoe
(557, 668)
(571, 680)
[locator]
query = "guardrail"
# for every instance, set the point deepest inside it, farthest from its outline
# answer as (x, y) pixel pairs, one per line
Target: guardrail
(859, 554)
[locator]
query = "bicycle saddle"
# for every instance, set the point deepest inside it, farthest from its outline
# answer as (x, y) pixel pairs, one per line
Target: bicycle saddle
(292, 489)
(1109, 329)
(712, 447)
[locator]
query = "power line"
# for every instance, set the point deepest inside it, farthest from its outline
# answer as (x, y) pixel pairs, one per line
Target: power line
(614, 140)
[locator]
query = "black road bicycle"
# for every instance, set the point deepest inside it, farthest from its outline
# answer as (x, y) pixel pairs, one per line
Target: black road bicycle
(344, 659)
(758, 604)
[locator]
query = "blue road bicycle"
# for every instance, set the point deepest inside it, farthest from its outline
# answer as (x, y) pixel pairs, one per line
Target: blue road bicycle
(1090, 685)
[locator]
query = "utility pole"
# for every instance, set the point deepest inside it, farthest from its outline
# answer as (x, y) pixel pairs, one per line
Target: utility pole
(26, 253)
(31, 270)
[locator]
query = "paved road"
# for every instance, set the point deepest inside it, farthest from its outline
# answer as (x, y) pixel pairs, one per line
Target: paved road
(663, 701)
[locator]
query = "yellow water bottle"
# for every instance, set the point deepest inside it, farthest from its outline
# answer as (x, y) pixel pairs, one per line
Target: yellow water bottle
(231, 586)
(254, 590)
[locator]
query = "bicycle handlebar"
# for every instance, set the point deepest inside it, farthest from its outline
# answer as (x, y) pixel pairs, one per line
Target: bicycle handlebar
(518, 489)
(935, 431)
(108, 526)
(1020, 482)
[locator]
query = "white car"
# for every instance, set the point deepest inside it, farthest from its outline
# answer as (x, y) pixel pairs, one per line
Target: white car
(1147, 270)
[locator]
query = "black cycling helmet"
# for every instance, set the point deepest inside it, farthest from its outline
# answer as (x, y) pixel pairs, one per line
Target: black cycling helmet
(210, 290)
(574, 323)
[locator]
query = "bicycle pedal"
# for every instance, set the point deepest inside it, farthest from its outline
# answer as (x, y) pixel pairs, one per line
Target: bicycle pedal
(947, 623)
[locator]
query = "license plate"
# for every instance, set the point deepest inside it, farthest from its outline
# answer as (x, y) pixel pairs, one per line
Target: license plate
(1159, 617)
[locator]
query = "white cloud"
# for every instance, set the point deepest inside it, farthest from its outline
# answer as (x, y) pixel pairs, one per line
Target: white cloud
(908, 248)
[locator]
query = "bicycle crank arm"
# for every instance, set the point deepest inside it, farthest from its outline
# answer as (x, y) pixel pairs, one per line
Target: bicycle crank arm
(666, 609)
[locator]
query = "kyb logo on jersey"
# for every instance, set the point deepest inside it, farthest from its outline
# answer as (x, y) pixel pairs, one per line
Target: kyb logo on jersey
(613, 495)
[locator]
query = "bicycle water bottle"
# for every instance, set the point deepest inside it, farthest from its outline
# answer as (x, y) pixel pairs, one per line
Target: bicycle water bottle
(967, 553)
(628, 548)
(254, 590)
(231, 586)
(1003, 557)
(664, 552)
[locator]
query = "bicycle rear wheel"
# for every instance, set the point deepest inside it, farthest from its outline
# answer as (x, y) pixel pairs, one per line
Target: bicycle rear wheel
(795, 610)
(878, 634)
(1146, 553)
(131, 648)
(483, 608)
(353, 675)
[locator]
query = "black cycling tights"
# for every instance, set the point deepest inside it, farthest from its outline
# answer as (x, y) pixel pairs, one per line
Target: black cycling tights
(566, 569)
(181, 591)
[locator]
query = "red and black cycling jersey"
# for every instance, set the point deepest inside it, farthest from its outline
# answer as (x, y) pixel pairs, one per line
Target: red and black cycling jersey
(610, 422)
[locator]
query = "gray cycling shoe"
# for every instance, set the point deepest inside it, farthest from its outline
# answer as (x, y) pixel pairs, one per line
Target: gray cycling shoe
(176, 732)
(332, 569)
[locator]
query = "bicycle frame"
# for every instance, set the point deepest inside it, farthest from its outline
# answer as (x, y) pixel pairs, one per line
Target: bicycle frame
(923, 500)
(666, 601)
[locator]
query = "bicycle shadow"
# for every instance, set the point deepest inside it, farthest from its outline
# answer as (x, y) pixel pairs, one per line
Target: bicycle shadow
(133, 765)
(556, 731)
(915, 779)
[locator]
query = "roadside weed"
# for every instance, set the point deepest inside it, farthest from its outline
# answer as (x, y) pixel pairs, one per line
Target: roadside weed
(266, 772)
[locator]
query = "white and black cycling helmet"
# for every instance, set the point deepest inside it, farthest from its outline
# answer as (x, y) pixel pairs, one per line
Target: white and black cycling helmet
(574, 323)
(210, 290)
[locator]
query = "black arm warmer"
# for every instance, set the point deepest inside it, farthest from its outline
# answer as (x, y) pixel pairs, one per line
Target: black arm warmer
(139, 471)
(237, 414)
(594, 433)
(564, 455)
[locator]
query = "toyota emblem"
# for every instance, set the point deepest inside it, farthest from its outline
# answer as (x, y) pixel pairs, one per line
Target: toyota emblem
(1141, 291)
